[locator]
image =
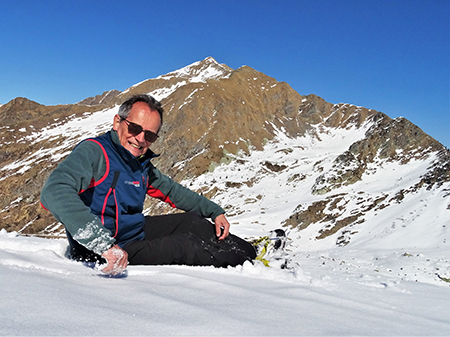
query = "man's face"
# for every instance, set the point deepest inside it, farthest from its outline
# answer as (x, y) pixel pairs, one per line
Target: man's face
(148, 119)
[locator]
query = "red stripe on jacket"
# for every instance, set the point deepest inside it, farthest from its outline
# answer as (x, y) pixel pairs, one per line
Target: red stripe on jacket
(155, 193)
(94, 183)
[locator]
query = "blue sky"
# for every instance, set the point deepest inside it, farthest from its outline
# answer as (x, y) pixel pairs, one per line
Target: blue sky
(387, 55)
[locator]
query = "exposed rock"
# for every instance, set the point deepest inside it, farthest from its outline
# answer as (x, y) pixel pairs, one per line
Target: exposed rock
(107, 98)
(274, 167)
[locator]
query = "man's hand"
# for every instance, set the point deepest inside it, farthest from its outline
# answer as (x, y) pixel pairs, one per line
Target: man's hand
(222, 223)
(117, 260)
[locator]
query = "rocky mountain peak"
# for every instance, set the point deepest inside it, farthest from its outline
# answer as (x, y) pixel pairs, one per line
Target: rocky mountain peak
(200, 71)
(20, 103)
(19, 108)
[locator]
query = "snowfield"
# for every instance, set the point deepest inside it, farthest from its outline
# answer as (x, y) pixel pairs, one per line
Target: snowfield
(336, 292)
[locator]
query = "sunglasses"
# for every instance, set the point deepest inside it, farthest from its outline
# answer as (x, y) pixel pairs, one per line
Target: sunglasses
(135, 129)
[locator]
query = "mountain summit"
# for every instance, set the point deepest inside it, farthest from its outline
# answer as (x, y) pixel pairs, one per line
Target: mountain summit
(251, 143)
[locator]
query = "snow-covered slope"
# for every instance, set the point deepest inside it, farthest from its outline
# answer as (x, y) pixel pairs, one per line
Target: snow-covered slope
(341, 291)
(262, 188)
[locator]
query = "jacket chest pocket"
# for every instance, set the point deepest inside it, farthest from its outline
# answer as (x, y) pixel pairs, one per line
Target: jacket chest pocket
(131, 192)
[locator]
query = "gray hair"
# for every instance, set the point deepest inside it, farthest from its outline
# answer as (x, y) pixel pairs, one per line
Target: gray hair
(152, 103)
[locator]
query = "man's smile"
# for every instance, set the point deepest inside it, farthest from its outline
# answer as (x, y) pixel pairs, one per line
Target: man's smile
(135, 146)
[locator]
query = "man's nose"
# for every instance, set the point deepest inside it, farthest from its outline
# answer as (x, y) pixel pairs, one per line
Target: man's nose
(140, 137)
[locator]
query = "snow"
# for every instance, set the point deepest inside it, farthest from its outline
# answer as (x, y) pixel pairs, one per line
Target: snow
(195, 74)
(335, 292)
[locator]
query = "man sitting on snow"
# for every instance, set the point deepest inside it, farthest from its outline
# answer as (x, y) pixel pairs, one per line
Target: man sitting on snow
(98, 193)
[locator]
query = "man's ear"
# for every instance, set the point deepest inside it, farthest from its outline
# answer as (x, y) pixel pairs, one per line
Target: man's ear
(116, 122)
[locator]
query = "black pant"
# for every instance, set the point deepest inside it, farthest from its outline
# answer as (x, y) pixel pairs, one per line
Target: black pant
(188, 239)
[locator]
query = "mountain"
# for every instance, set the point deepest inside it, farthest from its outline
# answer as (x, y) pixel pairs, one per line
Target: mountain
(254, 145)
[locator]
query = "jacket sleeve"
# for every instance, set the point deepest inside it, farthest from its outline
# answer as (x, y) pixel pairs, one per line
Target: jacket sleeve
(178, 196)
(60, 196)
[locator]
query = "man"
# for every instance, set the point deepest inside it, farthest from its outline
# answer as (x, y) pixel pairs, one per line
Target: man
(98, 193)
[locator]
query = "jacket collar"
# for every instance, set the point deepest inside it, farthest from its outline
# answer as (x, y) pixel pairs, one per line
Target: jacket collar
(149, 155)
